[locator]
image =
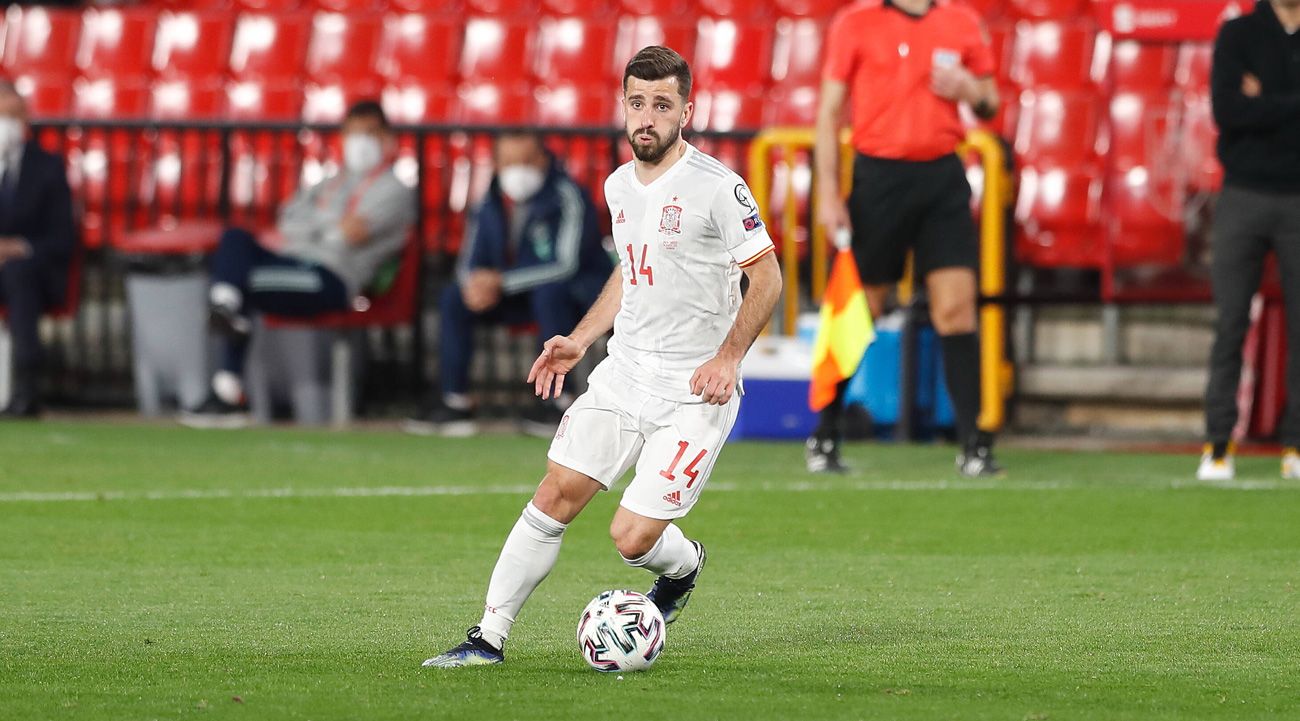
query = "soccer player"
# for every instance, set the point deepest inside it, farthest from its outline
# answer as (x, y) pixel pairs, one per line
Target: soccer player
(666, 397)
(908, 64)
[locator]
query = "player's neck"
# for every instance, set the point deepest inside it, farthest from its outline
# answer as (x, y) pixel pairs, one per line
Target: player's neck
(648, 173)
(915, 8)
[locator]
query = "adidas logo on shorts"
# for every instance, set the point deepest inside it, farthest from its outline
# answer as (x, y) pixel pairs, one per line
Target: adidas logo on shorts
(674, 498)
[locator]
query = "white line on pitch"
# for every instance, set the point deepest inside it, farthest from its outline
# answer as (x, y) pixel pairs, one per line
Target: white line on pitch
(521, 489)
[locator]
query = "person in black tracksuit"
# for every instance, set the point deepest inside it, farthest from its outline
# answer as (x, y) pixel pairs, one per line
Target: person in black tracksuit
(1255, 90)
(532, 253)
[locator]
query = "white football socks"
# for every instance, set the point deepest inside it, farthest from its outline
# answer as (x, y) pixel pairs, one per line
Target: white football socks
(527, 557)
(226, 296)
(228, 387)
(673, 555)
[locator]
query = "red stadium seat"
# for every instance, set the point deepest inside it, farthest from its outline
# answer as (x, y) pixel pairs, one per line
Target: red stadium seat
(184, 99)
(502, 8)
(412, 102)
(47, 96)
(270, 46)
(636, 32)
(193, 45)
(1059, 211)
(495, 50)
(1193, 67)
(1140, 66)
(571, 49)
(724, 108)
(40, 41)
(1052, 53)
(344, 48)
(1198, 138)
(261, 100)
(808, 8)
(404, 53)
(570, 105)
(1139, 132)
(107, 98)
(446, 8)
(1001, 39)
(1047, 9)
(1057, 127)
(1145, 218)
(268, 6)
(487, 103)
(733, 52)
(791, 105)
(591, 9)
(797, 51)
(117, 43)
(737, 9)
(351, 7)
(666, 8)
(328, 101)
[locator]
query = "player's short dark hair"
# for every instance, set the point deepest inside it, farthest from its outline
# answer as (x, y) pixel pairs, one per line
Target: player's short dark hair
(368, 109)
(657, 62)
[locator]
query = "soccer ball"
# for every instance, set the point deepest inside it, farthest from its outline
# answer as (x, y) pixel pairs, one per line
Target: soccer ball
(621, 631)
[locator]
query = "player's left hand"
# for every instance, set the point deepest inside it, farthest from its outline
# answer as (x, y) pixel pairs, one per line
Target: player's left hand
(954, 83)
(715, 381)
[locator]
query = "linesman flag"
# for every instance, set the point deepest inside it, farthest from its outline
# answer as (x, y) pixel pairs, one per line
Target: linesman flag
(845, 329)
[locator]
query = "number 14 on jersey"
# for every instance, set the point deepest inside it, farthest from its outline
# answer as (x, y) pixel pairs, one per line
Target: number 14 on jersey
(645, 269)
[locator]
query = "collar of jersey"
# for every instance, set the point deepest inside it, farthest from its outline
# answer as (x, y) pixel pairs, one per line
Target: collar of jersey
(642, 187)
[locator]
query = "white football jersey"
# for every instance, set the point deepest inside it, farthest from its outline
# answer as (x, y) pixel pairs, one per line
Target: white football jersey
(682, 241)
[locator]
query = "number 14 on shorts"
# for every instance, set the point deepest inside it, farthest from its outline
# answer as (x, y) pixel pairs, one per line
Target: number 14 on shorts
(691, 470)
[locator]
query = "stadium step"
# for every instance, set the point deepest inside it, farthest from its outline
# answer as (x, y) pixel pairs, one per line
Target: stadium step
(1132, 371)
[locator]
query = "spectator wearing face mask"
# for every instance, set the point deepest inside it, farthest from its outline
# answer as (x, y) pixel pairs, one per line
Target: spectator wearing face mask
(532, 253)
(37, 237)
(335, 235)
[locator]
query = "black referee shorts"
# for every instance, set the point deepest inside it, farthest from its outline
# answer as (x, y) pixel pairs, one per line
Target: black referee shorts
(901, 205)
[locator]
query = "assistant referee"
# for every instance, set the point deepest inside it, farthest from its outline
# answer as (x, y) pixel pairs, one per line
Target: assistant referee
(907, 65)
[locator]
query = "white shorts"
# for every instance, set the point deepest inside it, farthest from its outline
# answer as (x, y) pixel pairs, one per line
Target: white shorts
(674, 445)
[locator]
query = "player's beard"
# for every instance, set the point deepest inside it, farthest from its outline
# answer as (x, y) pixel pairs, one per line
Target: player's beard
(654, 152)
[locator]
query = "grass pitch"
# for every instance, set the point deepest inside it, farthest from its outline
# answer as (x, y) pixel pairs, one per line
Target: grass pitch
(151, 572)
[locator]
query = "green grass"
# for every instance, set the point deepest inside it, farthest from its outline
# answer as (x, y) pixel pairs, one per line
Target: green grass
(1083, 586)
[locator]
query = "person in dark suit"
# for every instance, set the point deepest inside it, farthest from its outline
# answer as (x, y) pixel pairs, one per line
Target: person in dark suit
(37, 237)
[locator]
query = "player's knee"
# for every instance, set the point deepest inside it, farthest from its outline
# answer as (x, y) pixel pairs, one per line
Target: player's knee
(632, 543)
(551, 499)
(953, 317)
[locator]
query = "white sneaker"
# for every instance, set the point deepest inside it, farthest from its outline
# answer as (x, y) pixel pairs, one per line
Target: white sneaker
(1291, 464)
(1216, 469)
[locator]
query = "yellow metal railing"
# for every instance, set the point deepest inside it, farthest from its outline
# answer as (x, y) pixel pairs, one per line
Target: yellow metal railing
(996, 371)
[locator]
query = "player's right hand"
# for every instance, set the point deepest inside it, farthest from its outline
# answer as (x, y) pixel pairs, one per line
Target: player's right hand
(833, 214)
(559, 355)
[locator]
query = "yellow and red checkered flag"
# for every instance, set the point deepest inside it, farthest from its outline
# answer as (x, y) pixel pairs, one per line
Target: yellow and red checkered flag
(844, 332)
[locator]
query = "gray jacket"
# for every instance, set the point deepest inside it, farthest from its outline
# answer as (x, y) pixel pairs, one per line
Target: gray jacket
(310, 224)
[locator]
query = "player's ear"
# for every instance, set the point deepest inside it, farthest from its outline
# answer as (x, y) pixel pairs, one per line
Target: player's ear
(686, 114)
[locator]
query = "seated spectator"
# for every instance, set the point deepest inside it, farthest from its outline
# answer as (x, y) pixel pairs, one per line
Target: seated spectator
(532, 254)
(335, 236)
(37, 237)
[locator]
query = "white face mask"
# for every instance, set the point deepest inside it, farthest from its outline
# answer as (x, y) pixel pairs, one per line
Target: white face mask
(12, 132)
(361, 152)
(520, 182)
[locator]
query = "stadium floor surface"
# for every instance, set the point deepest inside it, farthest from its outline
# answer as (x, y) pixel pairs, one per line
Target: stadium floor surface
(157, 572)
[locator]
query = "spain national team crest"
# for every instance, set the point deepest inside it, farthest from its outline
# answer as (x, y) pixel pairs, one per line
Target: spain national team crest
(670, 223)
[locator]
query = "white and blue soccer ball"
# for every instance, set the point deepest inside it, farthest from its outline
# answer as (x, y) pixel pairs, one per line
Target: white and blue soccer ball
(621, 631)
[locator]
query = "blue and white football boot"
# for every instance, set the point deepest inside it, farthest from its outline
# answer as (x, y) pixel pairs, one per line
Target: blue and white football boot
(475, 651)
